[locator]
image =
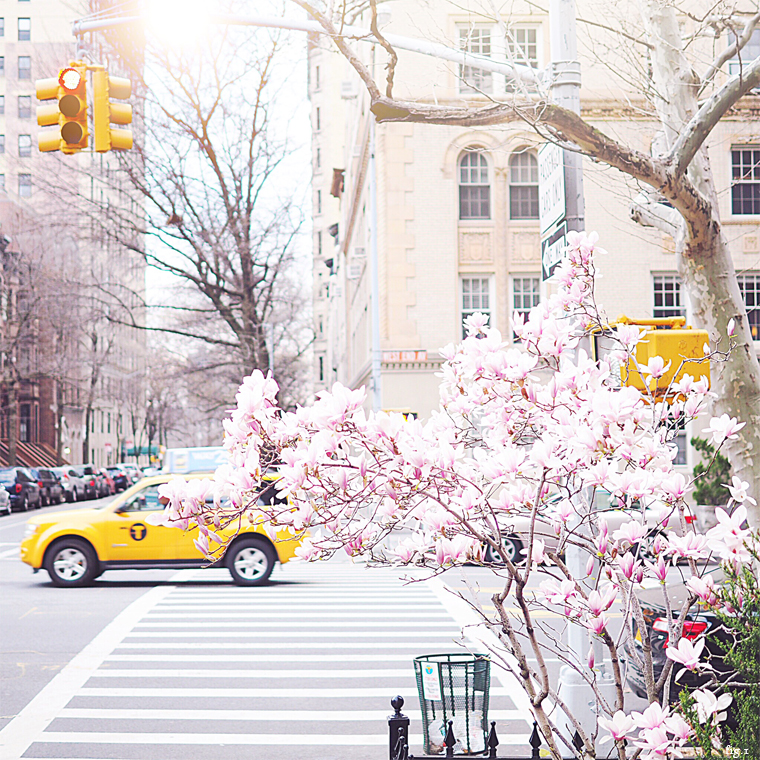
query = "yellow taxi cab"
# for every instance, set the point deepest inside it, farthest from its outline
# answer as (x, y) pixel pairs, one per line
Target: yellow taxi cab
(78, 545)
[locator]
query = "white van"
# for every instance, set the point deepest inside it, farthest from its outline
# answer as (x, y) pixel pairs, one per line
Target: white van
(193, 459)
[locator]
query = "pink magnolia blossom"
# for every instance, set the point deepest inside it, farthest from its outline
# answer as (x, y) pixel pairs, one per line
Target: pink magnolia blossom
(738, 489)
(723, 428)
(653, 717)
(618, 726)
(710, 707)
(731, 327)
(703, 588)
(686, 653)
(656, 367)
(677, 726)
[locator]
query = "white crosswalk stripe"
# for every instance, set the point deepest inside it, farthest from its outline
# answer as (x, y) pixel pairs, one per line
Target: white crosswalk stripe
(310, 664)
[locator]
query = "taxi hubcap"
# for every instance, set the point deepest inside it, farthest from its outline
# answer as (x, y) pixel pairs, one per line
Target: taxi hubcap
(70, 564)
(251, 563)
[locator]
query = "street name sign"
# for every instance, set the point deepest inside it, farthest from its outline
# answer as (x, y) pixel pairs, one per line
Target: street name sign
(551, 186)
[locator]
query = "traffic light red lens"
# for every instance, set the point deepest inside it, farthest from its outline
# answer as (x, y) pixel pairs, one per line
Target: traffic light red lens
(70, 79)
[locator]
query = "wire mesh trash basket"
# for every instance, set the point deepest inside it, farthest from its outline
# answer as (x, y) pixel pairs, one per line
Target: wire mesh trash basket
(454, 687)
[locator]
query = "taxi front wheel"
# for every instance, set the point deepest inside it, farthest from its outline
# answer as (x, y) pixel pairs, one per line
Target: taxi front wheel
(251, 562)
(71, 562)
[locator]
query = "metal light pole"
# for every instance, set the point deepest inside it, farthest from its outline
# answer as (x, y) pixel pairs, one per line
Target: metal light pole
(566, 92)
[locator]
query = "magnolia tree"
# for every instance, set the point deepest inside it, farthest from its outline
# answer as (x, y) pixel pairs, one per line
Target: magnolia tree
(524, 437)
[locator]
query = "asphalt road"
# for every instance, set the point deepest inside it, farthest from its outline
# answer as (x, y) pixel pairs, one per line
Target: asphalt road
(186, 661)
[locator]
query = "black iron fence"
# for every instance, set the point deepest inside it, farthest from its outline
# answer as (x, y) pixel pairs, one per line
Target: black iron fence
(398, 735)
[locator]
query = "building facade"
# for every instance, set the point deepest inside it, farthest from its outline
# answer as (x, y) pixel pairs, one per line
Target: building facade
(90, 365)
(457, 209)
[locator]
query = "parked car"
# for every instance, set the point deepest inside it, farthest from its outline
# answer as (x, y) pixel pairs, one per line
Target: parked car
(107, 482)
(5, 502)
(76, 546)
(72, 483)
(132, 471)
(22, 488)
(516, 529)
(120, 479)
(51, 490)
(699, 622)
(86, 472)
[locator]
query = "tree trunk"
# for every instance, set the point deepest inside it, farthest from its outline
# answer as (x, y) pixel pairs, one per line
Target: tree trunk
(12, 422)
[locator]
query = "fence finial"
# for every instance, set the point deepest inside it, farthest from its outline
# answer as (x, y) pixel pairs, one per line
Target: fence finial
(535, 742)
(493, 740)
(450, 740)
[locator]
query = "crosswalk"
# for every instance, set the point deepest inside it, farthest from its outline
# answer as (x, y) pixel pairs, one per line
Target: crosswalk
(303, 668)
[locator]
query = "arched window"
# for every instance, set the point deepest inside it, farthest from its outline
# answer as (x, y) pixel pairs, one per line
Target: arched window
(523, 186)
(474, 189)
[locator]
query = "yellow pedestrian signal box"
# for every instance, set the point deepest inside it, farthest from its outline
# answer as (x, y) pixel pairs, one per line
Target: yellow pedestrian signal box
(105, 113)
(69, 114)
(677, 344)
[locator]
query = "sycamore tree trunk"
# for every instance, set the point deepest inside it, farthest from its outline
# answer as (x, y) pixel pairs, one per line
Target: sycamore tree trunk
(704, 257)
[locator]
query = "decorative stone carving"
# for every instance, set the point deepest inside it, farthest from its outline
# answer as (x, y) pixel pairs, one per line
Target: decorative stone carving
(475, 247)
(751, 243)
(526, 246)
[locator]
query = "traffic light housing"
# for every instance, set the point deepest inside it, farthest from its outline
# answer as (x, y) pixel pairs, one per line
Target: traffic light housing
(105, 112)
(69, 113)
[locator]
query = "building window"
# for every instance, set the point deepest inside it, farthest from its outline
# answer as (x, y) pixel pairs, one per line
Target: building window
(25, 185)
(668, 301)
(24, 67)
(2, 143)
(2, 27)
(748, 54)
(25, 106)
(317, 119)
(318, 159)
(476, 297)
(2, 104)
(319, 243)
(523, 186)
(25, 146)
(24, 29)
(319, 201)
(25, 423)
(745, 181)
(2, 65)
(749, 285)
(317, 83)
(526, 293)
(2, 182)
(321, 368)
(523, 46)
(474, 190)
(475, 40)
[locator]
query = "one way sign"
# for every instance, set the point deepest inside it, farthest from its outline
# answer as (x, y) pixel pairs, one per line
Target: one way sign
(553, 250)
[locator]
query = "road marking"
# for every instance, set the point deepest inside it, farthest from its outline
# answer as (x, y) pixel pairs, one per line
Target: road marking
(192, 692)
(32, 721)
(289, 739)
(195, 657)
(298, 645)
(8, 553)
(212, 716)
(288, 634)
(256, 624)
(253, 674)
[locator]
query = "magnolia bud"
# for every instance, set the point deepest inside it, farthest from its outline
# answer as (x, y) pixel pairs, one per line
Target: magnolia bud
(590, 566)
(590, 658)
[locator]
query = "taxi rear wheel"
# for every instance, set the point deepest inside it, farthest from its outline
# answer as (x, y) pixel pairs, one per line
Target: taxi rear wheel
(71, 562)
(251, 562)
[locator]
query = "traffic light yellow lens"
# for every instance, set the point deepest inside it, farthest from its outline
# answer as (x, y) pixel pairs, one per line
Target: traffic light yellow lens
(70, 105)
(70, 79)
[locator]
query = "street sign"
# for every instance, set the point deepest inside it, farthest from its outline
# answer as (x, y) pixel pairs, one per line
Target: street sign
(551, 186)
(552, 250)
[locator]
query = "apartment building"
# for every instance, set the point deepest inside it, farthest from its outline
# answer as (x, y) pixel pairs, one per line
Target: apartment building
(92, 402)
(457, 211)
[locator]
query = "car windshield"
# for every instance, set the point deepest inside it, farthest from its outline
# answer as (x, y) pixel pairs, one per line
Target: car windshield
(7, 476)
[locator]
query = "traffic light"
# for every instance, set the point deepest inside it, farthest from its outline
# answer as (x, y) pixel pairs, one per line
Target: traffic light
(69, 113)
(104, 112)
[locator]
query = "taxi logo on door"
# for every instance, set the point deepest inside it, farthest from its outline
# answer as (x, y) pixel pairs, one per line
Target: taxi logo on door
(138, 531)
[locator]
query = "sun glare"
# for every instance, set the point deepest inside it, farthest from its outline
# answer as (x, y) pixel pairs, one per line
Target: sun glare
(177, 22)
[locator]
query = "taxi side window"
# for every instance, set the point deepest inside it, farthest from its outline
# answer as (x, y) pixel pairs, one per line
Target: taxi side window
(144, 501)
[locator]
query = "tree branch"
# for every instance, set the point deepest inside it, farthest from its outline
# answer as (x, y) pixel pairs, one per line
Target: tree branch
(693, 135)
(732, 50)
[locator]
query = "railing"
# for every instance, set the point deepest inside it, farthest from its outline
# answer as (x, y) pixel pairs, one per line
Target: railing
(398, 734)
